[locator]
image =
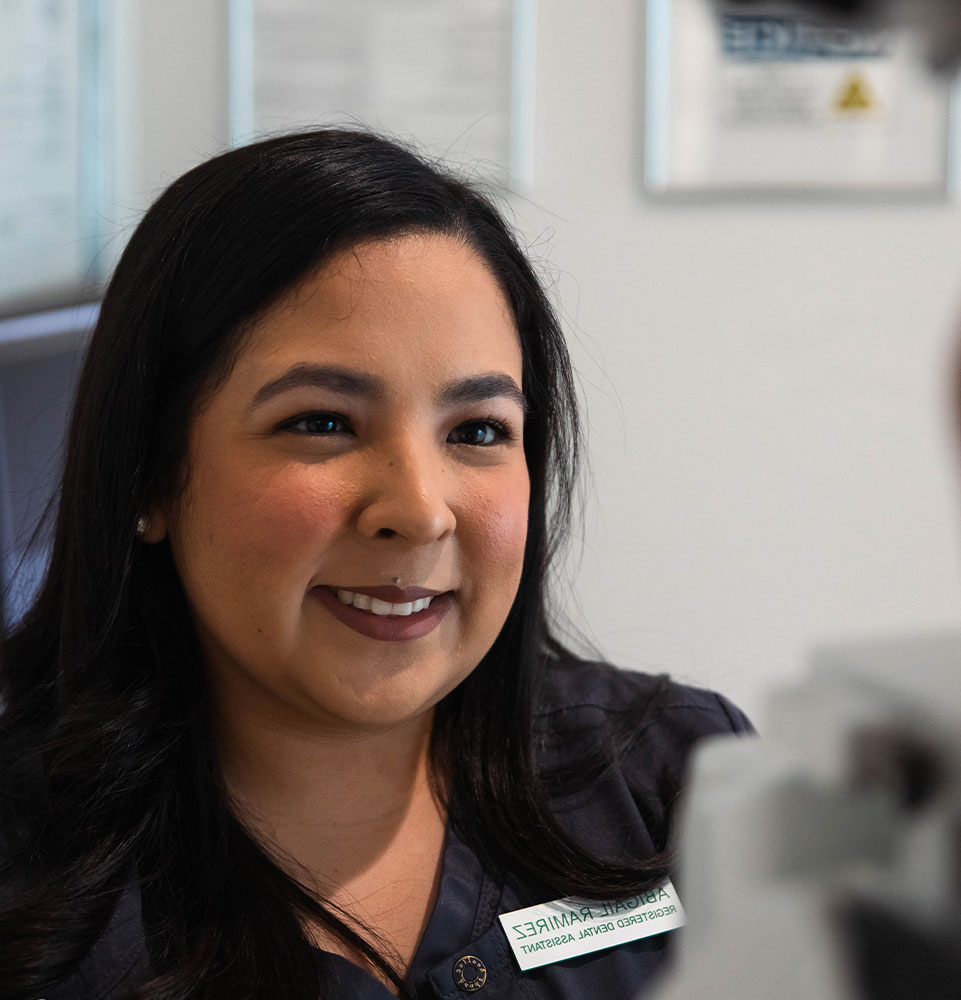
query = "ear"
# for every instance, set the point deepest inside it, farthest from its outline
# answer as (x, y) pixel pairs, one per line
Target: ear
(152, 526)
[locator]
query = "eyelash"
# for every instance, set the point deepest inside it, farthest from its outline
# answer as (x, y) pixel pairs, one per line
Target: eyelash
(503, 433)
(293, 424)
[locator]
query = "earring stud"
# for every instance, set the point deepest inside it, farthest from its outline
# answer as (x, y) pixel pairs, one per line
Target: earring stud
(141, 528)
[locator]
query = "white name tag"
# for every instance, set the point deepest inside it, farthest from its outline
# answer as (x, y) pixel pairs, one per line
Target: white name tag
(566, 928)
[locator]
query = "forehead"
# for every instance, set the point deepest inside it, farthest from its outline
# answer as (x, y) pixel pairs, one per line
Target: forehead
(414, 306)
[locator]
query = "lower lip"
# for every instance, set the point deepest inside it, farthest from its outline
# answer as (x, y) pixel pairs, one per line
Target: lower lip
(389, 628)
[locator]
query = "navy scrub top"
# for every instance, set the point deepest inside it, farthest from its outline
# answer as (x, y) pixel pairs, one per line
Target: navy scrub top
(620, 811)
(464, 925)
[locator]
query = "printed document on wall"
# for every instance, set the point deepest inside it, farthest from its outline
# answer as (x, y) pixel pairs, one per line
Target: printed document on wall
(435, 71)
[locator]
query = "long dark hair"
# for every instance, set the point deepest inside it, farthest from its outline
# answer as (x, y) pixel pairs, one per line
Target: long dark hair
(109, 771)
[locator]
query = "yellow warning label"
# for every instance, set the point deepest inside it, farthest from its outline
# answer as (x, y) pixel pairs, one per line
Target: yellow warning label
(855, 95)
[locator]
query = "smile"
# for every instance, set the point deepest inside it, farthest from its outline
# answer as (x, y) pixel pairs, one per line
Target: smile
(377, 617)
(379, 607)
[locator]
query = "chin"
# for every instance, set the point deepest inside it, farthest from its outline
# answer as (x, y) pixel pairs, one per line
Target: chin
(387, 702)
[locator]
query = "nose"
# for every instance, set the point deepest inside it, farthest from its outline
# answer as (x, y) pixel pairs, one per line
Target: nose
(407, 497)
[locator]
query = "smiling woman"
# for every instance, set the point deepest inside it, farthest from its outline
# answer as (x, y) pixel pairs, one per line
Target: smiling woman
(369, 431)
(286, 718)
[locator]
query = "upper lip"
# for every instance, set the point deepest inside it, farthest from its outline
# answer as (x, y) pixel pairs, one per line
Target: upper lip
(393, 595)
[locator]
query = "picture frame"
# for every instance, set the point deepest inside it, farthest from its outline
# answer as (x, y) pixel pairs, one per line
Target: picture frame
(770, 98)
(457, 79)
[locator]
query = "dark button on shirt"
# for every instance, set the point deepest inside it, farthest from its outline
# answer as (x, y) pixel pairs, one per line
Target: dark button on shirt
(470, 974)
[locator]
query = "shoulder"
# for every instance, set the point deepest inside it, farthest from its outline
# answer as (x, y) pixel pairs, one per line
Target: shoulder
(117, 959)
(615, 745)
(588, 693)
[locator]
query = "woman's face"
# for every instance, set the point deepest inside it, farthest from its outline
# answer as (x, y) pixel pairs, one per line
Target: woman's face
(365, 454)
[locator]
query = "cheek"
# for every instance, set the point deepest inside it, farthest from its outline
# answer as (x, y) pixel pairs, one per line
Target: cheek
(500, 529)
(292, 513)
(263, 519)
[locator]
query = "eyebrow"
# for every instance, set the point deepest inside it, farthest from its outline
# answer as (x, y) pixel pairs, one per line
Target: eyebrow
(479, 388)
(334, 378)
(347, 382)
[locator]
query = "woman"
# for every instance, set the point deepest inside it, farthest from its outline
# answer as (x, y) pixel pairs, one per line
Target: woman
(286, 718)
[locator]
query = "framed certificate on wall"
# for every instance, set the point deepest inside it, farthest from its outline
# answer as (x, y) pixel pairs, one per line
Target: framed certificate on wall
(769, 96)
(455, 76)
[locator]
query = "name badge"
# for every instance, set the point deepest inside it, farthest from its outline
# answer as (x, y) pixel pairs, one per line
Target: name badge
(566, 928)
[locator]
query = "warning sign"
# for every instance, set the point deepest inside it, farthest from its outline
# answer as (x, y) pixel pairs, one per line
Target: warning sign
(767, 97)
(856, 95)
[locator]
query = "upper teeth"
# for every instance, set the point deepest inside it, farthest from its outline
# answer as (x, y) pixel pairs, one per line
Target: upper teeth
(379, 607)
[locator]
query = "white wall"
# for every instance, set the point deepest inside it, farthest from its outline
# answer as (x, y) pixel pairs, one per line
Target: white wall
(766, 386)
(766, 383)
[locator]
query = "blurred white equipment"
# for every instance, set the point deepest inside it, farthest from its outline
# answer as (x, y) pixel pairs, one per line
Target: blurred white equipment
(823, 862)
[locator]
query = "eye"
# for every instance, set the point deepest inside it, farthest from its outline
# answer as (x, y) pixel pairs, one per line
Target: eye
(322, 424)
(480, 432)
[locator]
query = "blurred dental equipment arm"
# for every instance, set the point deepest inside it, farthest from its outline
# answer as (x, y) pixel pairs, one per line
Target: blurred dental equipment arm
(824, 860)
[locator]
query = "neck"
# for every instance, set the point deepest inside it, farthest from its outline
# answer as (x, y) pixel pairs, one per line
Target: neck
(350, 813)
(353, 777)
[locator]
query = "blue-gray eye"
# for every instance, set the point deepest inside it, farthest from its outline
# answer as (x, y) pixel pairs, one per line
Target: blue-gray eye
(318, 423)
(479, 432)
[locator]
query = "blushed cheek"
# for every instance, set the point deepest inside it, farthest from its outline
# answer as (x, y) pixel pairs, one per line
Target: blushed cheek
(294, 517)
(504, 533)
(266, 527)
